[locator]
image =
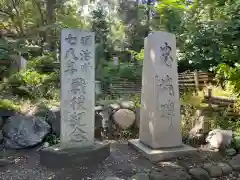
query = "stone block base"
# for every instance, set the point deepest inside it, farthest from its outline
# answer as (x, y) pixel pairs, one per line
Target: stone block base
(77, 157)
(155, 155)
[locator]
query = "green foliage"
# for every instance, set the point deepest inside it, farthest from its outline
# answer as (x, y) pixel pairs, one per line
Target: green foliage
(39, 63)
(8, 105)
(125, 71)
(52, 139)
(230, 75)
(34, 82)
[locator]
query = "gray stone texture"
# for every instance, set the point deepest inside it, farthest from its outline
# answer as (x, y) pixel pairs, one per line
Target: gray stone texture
(169, 175)
(231, 152)
(199, 174)
(84, 157)
(24, 131)
(235, 163)
(226, 169)
(219, 139)
(124, 118)
(127, 105)
(213, 170)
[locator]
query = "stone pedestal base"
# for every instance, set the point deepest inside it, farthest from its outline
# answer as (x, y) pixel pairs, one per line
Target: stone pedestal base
(85, 158)
(155, 155)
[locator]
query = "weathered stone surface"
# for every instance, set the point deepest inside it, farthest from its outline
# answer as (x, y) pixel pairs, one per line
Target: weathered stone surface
(124, 118)
(140, 176)
(137, 114)
(127, 105)
(53, 117)
(213, 170)
(218, 138)
(156, 155)
(160, 105)
(169, 175)
(231, 152)
(1, 136)
(199, 174)
(226, 169)
(114, 106)
(98, 108)
(5, 162)
(60, 157)
(235, 163)
(77, 87)
(201, 126)
(6, 112)
(24, 131)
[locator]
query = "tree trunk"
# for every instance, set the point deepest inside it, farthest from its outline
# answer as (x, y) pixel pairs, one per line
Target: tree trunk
(50, 21)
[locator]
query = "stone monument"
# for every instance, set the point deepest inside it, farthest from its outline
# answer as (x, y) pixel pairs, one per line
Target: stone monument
(160, 132)
(77, 144)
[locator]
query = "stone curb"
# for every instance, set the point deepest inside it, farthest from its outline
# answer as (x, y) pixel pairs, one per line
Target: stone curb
(207, 171)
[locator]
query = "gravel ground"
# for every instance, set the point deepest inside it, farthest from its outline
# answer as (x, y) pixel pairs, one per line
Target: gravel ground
(123, 163)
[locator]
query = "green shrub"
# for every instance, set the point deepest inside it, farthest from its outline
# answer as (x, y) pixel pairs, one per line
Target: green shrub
(8, 105)
(41, 62)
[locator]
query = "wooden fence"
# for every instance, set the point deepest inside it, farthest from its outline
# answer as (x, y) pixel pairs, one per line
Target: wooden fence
(221, 104)
(187, 81)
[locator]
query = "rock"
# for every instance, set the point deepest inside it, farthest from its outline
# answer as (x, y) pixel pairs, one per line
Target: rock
(124, 118)
(169, 175)
(140, 176)
(1, 136)
(24, 131)
(226, 169)
(2, 122)
(199, 174)
(113, 178)
(219, 139)
(137, 113)
(235, 163)
(231, 152)
(98, 108)
(6, 112)
(201, 126)
(127, 105)
(213, 170)
(53, 117)
(114, 106)
(5, 162)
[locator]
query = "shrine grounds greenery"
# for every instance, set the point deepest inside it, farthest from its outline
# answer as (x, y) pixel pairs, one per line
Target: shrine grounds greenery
(35, 86)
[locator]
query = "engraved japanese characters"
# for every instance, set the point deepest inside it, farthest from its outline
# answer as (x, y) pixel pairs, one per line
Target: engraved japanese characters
(164, 84)
(160, 107)
(77, 87)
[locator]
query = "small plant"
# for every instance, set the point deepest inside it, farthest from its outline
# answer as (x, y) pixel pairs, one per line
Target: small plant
(52, 139)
